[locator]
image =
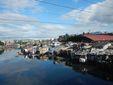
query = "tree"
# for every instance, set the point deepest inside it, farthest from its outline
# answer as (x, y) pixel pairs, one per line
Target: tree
(1, 43)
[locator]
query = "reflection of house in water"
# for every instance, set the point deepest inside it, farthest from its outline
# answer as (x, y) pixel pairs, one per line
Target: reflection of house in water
(59, 60)
(98, 70)
(80, 68)
(1, 51)
(10, 44)
(101, 71)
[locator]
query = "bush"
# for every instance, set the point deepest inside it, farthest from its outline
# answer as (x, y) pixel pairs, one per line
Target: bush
(1, 43)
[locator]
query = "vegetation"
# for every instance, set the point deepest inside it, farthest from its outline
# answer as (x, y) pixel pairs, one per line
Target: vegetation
(1, 43)
(72, 38)
(21, 42)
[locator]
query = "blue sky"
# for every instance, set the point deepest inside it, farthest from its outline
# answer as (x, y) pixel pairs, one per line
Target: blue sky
(34, 18)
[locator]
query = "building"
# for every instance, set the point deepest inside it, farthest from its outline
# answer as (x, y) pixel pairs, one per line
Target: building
(98, 37)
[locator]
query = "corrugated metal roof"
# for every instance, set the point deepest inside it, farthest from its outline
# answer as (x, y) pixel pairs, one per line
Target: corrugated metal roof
(95, 37)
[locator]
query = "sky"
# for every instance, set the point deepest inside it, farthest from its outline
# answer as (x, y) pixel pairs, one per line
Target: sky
(51, 18)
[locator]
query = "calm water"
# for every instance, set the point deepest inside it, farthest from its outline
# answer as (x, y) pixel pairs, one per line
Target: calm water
(17, 70)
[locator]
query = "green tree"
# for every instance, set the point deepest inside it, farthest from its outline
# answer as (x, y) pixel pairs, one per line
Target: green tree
(1, 43)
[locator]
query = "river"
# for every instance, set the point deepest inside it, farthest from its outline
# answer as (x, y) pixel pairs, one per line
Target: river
(18, 70)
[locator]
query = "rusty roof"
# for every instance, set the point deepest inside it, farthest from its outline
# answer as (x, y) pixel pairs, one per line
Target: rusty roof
(101, 37)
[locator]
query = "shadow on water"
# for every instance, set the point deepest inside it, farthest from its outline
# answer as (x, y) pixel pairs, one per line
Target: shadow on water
(1, 51)
(102, 71)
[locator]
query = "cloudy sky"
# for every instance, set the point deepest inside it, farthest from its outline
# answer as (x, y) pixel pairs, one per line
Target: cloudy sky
(51, 18)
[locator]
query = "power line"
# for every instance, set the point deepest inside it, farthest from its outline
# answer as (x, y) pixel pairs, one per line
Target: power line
(59, 5)
(89, 11)
(87, 1)
(68, 7)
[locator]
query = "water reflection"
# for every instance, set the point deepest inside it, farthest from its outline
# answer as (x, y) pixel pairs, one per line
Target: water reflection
(50, 70)
(104, 72)
(1, 51)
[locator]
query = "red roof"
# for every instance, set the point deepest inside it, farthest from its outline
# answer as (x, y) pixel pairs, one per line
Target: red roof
(99, 37)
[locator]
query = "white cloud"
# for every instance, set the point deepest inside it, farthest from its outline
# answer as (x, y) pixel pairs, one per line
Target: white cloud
(12, 17)
(52, 26)
(95, 17)
(14, 23)
(100, 12)
(18, 25)
(19, 5)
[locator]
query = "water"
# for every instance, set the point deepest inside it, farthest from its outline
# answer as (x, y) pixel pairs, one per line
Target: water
(17, 70)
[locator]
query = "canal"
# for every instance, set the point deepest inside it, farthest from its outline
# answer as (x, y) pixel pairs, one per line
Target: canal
(20, 70)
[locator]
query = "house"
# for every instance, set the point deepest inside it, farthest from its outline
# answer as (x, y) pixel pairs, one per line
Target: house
(98, 37)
